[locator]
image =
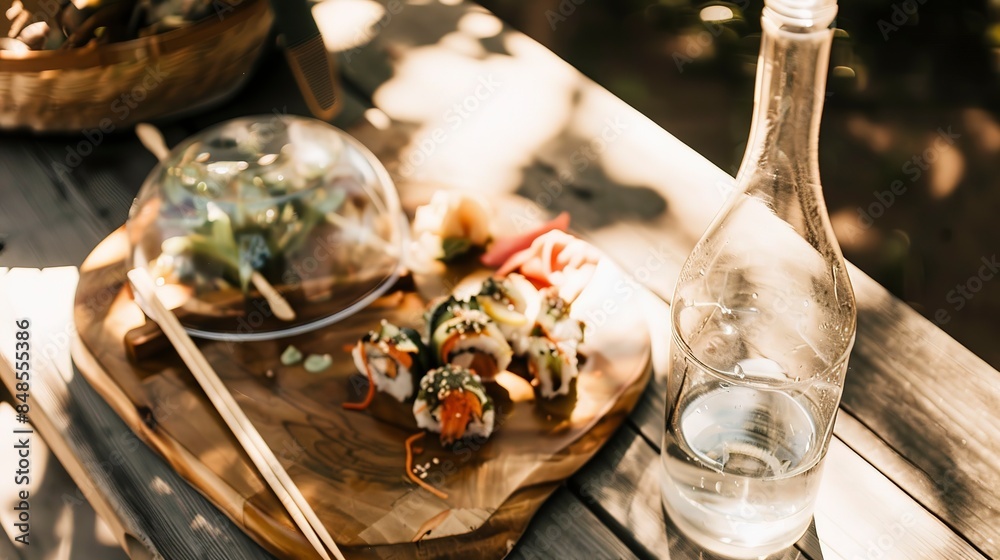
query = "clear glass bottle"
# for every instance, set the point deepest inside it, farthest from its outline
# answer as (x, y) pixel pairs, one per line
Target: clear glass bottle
(763, 318)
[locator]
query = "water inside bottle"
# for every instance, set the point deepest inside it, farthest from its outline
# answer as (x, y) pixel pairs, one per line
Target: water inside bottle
(742, 465)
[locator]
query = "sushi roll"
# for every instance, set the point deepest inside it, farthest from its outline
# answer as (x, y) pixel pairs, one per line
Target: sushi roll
(552, 365)
(453, 402)
(472, 340)
(394, 358)
(554, 319)
(512, 303)
(444, 309)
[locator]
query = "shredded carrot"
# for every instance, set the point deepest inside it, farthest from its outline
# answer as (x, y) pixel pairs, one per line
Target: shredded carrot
(371, 385)
(409, 467)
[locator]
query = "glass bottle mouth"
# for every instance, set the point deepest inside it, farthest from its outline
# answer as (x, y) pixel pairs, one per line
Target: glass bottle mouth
(803, 15)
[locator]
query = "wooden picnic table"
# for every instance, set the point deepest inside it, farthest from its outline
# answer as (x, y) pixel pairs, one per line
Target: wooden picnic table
(443, 92)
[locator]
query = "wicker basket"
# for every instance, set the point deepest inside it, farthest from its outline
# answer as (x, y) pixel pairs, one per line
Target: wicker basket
(116, 85)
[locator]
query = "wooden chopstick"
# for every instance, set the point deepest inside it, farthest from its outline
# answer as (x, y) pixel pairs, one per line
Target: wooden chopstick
(248, 436)
(279, 305)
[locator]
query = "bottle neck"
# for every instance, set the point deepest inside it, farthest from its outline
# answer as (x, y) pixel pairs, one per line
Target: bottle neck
(788, 102)
(781, 163)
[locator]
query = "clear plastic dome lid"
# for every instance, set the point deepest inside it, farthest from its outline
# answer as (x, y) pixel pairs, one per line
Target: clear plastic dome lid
(268, 226)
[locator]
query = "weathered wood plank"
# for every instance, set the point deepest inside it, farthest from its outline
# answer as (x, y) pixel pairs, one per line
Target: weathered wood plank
(48, 389)
(147, 505)
(41, 227)
(934, 494)
(862, 513)
(563, 528)
(62, 523)
(7, 550)
(936, 404)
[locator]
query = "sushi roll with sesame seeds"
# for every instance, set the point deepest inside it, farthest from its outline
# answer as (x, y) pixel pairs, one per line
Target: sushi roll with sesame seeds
(552, 365)
(554, 319)
(444, 309)
(395, 358)
(471, 339)
(453, 402)
(512, 302)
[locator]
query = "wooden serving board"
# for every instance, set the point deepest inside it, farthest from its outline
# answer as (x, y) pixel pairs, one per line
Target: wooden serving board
(350, 465)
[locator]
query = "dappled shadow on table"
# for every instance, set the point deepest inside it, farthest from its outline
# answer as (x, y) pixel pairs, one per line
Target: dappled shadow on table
(936, 413)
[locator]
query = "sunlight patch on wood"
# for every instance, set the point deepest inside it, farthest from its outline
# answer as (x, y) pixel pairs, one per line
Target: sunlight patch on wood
(103, 534)
(480, 120)
(160, 486)
(107, 252)
(10, 485)
(346, 24)
(199, 523)
(480, 25)
(463, 44)
(377, 118)
(64, 529)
